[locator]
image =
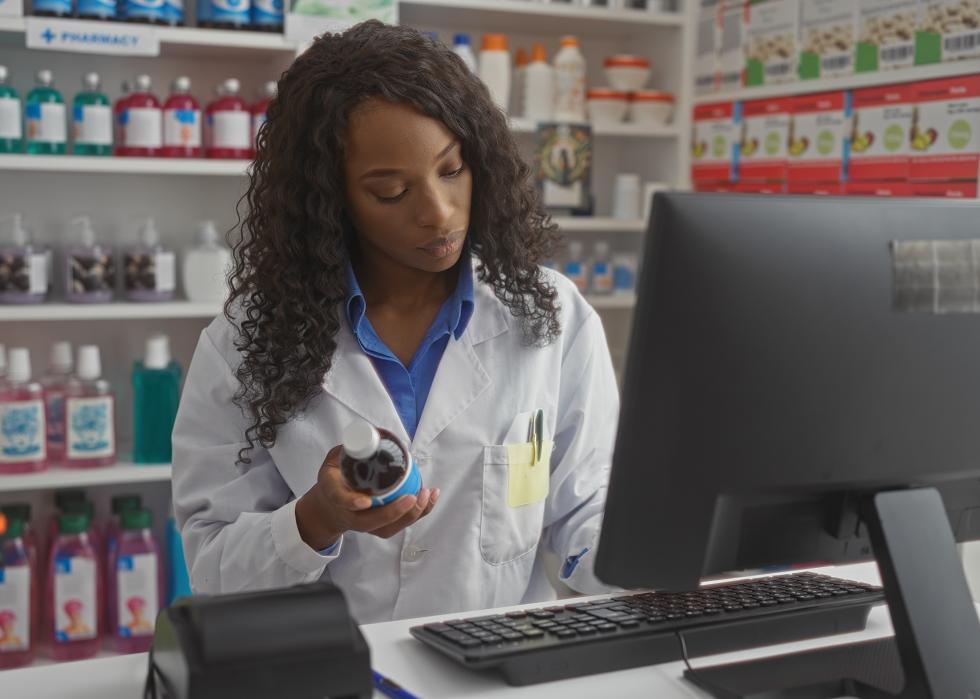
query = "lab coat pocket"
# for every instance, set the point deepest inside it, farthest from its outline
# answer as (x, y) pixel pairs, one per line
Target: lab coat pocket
(514, 493)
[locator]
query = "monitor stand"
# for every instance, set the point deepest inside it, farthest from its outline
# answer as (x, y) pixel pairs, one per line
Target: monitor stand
(935, 653)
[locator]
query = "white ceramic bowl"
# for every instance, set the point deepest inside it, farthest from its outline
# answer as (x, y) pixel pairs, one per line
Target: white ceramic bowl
(651, 108)
(627, 73)
(606, 106)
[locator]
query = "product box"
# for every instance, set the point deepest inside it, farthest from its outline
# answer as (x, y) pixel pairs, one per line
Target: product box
(760, 188)
(731, 54)
(822, 189)
(706, 77)
(881, 142)
(11, 8)
(713, 143)
(946, 129)
(819, 135)
(886, 34)
(828, 38)
(947, 190)
(948, 30)
(878, 189)
(771, 28)
(764, 137)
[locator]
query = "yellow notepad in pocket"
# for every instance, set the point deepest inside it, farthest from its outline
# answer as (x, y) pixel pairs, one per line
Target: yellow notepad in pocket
(527, 482)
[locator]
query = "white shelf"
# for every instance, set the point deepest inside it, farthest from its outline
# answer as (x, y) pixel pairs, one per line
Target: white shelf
(84, 477)
(852, 82)
(610, 303)
(533, 17)
(597, 224)
(625, 129)
(108, 311)
(122, 166)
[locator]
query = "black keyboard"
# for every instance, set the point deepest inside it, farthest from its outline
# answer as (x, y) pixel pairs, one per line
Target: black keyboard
(571, 640)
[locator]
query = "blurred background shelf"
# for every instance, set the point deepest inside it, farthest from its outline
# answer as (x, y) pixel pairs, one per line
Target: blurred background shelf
(121, 473)
(109, 311)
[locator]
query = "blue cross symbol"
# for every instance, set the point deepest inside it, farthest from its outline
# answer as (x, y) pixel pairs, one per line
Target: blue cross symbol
(48, 35)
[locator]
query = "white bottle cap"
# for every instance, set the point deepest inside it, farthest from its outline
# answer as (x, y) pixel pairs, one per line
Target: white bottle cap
(86, 236)
(89, 363)
(361, 440)
(60, 356)
(91, 81)
(143, 83)
(149, 235)
(575, 249)
(207, 234)
(3, 74)
(44, 77)
(232, 86)
(3, 359)
(20, 365)
(182, 84)
(157, 352)
(271, 88)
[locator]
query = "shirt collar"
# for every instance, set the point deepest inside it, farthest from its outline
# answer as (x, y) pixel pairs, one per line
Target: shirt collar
(459, 304)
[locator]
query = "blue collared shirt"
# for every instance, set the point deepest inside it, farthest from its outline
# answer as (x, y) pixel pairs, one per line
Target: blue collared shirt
(408, 386)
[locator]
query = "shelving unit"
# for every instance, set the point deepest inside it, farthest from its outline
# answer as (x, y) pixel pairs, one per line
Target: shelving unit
(122, 473)
(599, 224)
(185, 167)
(624, 129)
(109, 311)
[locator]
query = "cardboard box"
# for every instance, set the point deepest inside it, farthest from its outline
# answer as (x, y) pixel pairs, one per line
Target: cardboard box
(706, 77)
(765, 131)
(771, 31)
(881, 142)
(818, 138)
(886, 34)
(731, 54)
(946, 129)
(828, 38)
(947, 190)
(948, 31)
(821, 189)
(714, 143)
(878, 189)
(760, 188)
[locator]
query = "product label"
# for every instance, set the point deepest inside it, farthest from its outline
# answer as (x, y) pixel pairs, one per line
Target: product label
(880, 141)
(764, 140)
(58, 7)
(154, 271)
(949, 31)
(886, 34)
(731, 58)
(137, 583)
(97, 8)
(174, 11)
(267, 12)
(142, 127)
(55, 402)
(90, 425)
(74, 598)
(236, 11)
(22, 431)
(575, 271)
(143, 9)
(24, 273)
(46, 122)
(818, 145)
(89, 273)
(93, 124)
(828, 31)
(946, 132)
(15, 608)
(569, 89)
(231, 130)
(770, 41)
(602, 277)
(10, 118)
(713, 143)
(182, 128)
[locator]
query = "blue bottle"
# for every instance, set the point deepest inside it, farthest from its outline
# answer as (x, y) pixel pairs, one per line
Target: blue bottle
(97, 9)
(267, 15)
(156, 392)
(173, 12)
(53, 8)
(178, 580)
(229, 14)
(143, 11)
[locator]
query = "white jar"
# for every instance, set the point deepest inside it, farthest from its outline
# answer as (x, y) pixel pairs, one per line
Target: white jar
(569, 81)
(607, 107)
(539, 86)
(651, 108)
(495, 68)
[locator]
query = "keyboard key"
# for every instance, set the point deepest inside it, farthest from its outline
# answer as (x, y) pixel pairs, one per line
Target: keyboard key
(511, 636)
(656, 619)
(438, 628)
(565, 633)
(554, 610)
(532, 633)
(628, 623)
(542, 615)
(492, 638)
(586, 631)
(493, 617)
(516, 615)
(457, 636)
(607, 614)
(457, 622)
(606, 627)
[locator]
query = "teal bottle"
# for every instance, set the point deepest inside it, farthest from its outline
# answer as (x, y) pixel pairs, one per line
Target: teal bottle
(11, 128)
(156, 392)
(45, 118)
(91, 119)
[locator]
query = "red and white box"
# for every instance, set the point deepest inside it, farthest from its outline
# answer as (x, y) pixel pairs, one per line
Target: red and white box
(818, 137)
(946, 130)
(947, 190)
(713, 143)
(878, 189)
(764, 137)
(823, 189)
(881, 142)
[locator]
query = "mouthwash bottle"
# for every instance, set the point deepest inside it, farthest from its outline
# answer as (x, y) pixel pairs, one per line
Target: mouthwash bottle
(181, 122)
(17, 595)
(73, 592)
(376, 463)
(90, 429)
(11, 132)
(47, 129)
(156, 392)
(23, 434)
(92, 119)
(135, 589)
(55, 382)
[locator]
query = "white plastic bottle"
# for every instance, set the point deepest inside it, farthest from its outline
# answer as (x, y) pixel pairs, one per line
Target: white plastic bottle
(462, 47)
(539, 86)
(602, 269)
(569, 81)
(206, 267)
(575, 267)
(495, 68)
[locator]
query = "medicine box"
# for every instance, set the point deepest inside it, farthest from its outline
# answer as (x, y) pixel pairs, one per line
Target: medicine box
(881, 142)
(886, 34)
(828, 38)
(765, 132)
(946, 129)
(713, 143)
(819, 135)
(771, 29)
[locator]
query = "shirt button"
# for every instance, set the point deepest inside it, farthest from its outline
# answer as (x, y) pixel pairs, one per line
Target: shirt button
(413, 554)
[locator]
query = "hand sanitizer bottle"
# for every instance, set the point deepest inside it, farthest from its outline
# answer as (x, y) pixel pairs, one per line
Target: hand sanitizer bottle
(206, 267)
(23, 267)
(90, 428)
(149, 272)
(90, 268)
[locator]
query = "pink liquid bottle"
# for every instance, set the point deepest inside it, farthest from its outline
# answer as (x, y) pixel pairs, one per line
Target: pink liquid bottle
(22, 511)
(23, 432)
(3, 362)
(182, 122)
(137, 584)
(260, 109)
(118, 112)
(54, 382)
(229, 124)
(73, 591)
(142, 122)
(90, 429)
(18, 596)
(119, 504)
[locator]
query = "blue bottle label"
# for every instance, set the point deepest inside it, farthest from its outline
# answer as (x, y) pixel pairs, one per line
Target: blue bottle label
(230, 11)
(61, 7)
(143, 9)
(22, 431)
(97, 8)
(267, 12)
(173, 11)
(90, 425)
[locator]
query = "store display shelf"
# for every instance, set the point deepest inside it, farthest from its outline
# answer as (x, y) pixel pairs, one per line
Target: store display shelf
(624, 129)
(122, 166)
(598, 224)
(611, 303)
(109, 311)
(123, 472)
(533, 17)
(851, 82)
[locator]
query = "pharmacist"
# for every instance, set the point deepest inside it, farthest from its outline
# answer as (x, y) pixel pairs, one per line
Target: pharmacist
(389, 271)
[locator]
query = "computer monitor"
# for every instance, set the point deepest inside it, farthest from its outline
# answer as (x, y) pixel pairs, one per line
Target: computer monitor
(803, 377)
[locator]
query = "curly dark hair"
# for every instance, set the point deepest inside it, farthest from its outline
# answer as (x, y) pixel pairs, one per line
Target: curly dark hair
(291, 246)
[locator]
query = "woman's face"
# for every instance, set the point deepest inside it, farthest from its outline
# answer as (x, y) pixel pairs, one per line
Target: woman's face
(408, 189)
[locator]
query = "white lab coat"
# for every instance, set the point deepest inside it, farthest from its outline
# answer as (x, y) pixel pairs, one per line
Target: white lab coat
(474, 550)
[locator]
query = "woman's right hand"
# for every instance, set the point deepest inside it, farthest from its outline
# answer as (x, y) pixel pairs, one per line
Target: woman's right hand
(331, 507)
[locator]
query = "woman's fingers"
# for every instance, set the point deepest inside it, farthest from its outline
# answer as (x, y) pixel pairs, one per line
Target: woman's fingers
(423, 505)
